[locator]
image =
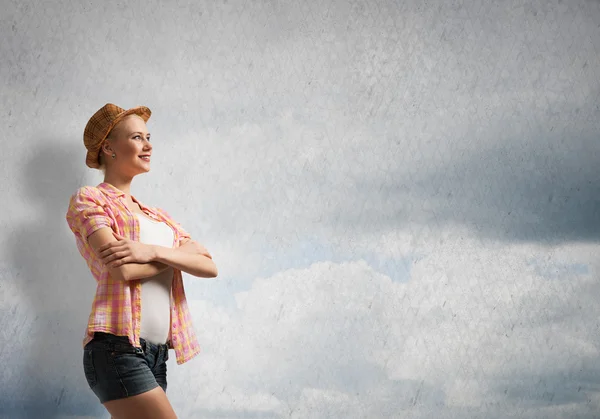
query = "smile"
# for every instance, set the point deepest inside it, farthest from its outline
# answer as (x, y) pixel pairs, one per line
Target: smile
(145, 158)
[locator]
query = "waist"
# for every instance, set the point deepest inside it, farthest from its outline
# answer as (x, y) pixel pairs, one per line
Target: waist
(122, 343)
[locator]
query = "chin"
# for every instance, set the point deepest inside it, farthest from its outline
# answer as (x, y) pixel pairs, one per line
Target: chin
(141, 170)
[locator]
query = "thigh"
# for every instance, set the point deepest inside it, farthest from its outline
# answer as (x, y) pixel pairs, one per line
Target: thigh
(115, 370)
(152, 404)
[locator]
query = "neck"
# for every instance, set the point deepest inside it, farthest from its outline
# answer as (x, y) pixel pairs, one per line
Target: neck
(122, 183)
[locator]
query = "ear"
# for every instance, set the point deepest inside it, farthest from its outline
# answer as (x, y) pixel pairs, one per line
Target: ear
(106, 148)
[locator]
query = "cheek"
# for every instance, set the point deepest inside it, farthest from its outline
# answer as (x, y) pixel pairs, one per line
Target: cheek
(132, 151)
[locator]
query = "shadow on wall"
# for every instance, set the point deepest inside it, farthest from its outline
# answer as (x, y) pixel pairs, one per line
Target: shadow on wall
(56, 292)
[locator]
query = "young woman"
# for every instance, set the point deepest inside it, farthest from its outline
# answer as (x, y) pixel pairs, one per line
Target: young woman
(136, 253)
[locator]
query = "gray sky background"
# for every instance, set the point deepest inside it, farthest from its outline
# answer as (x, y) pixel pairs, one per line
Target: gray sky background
(402, 199)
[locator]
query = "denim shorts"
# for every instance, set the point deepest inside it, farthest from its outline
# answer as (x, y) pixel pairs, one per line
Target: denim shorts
(115, 369)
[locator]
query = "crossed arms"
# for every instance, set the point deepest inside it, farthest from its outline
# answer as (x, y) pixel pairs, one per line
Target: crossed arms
(128, 260)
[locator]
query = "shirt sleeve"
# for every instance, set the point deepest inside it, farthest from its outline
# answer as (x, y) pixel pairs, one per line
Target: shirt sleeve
(86, 213)
(183, 234)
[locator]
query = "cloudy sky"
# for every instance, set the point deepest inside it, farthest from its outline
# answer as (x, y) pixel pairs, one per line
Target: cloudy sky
(402, 198)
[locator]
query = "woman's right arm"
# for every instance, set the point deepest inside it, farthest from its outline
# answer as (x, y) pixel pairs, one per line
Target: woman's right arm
(87, 218)
(127, 271)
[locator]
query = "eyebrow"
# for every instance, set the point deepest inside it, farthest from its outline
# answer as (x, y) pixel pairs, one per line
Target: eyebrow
(138, 132)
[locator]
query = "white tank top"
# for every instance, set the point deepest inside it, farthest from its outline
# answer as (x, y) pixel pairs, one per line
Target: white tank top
(156, 290)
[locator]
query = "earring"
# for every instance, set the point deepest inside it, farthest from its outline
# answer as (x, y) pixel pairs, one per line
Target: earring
(114, 155)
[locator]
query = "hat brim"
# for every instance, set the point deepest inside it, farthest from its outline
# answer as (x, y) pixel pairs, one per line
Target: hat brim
(92, 156)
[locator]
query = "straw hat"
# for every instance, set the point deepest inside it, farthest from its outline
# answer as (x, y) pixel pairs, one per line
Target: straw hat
(101, 123)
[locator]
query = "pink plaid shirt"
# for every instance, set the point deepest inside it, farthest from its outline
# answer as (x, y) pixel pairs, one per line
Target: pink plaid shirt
(116, 307)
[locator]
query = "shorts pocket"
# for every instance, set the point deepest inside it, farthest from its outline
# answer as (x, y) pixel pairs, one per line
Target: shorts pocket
(88, 368)
(126, 363)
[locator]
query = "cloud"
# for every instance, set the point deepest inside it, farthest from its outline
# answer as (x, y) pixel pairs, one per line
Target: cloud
(543, 189)
(475, 329)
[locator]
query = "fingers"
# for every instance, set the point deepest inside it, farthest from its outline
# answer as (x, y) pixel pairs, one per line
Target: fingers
(114, 256)
(115, 253)
(111, 244)
(120, 241)
(119, 262)
(111, 250)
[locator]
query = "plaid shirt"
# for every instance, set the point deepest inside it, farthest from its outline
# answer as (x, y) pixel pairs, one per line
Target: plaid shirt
(116, 307)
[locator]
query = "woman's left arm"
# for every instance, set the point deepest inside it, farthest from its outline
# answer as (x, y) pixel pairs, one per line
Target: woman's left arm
(193, 263)
(191, 257)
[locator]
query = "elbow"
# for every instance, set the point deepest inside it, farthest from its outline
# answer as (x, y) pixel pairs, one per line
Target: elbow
(208, 270)
(215, 270)
(211, 272)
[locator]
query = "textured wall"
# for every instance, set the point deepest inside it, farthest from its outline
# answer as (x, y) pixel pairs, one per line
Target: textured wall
(402, 198)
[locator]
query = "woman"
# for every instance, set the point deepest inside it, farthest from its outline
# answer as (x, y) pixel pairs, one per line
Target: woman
(136, 254)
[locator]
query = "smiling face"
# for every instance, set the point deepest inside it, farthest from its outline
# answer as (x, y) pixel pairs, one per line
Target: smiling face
(129, 140)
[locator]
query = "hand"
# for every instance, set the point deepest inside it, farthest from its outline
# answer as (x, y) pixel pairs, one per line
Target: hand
(193, 246)
(123, 251)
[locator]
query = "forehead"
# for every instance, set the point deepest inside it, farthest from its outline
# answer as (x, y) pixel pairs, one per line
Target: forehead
(131, 123)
